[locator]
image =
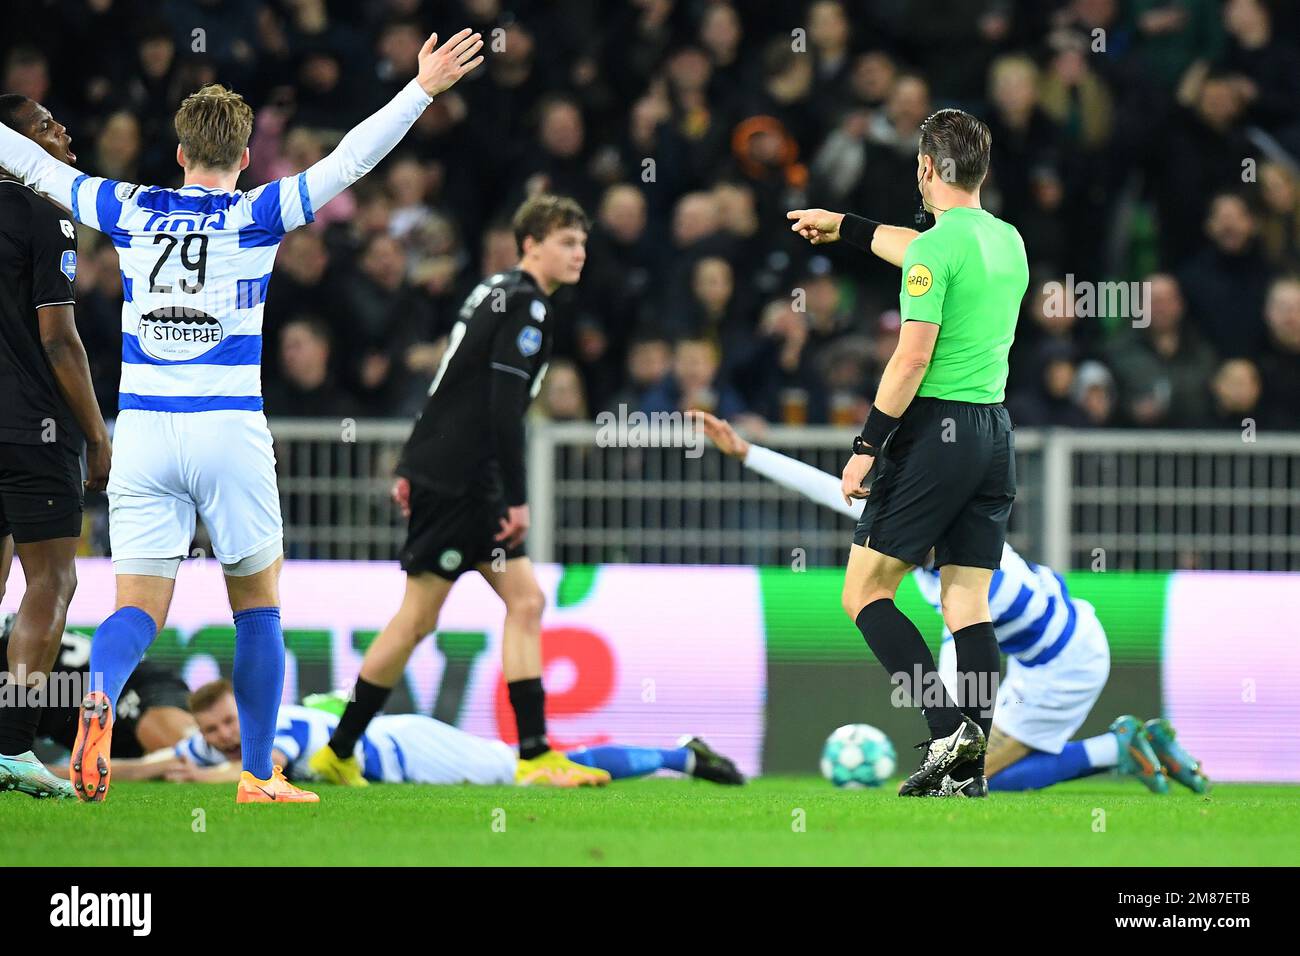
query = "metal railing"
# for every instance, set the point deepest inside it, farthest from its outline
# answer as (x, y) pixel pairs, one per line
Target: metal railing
(1125, 500)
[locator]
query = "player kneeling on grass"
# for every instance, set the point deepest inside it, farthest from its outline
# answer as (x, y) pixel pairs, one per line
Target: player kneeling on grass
(461, 484)
(396, 748)
(1057, 659)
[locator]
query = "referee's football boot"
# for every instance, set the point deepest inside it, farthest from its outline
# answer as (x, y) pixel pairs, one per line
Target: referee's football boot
(1136, 758)
(1174, 760)
(89, 768)
(28, 775)
(961, 783)
(941, 755)
(707, 764)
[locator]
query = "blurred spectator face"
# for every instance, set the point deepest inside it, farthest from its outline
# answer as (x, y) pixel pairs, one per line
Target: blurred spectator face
(517, 49)
(695, 364)
(734, 203)
(694, 218)
(303, 256)
(1096, 13)
(119, 141)
(1246, 18)
(1236, 386)
(320, 72)
(713, 284)
(407, 183)
(1094, 390)
(372, 218)
(1058, 378)
(908, 104)
(1014, 86)
(563, 399)
(1281, 193)
(1166, 303)
(156, 54)
(400, 45)
(873, 77)
(302, 148)
(823, 295)
(828, 27)
(27, 73)
(1219, 104)
(500, 251)
(561, 130)
(648, 362)
(1282, 313)
(304, 355)
(1231, 225)
(622, 213)
(483, 9)
(720, 32)
(689, 70)
(384, 263)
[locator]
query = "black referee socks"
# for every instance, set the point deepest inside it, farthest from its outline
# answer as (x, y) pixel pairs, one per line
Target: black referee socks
(979, 666)
(899, 646)
(529, 702)
(367, 700)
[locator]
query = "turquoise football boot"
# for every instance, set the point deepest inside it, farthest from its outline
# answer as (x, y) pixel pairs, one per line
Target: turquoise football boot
(1136, 758)
(1174, 760)
(28, 775)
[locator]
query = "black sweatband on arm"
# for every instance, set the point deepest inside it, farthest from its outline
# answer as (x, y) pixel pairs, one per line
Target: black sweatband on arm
(857, 231)
(878, 428)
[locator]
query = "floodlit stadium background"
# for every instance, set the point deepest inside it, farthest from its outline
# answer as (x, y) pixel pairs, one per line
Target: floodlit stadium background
(1153, 142)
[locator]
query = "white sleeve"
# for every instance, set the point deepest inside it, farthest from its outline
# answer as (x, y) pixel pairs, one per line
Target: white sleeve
(38, 169)
(357, 153)
(199, 752)
(814, 484)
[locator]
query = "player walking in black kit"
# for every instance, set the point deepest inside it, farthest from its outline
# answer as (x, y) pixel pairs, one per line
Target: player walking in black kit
(461, 482)
(44, 388)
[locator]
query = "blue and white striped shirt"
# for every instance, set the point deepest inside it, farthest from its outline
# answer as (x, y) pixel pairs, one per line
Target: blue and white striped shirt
(196, 262)
(1033, 614)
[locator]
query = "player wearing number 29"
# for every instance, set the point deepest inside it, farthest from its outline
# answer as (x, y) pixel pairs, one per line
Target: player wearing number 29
(941, 442)
(191, 437)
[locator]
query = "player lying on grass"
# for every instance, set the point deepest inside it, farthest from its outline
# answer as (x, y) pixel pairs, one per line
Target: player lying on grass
(396, 748)
(152, 712)
(1057, 659)
(191, 440)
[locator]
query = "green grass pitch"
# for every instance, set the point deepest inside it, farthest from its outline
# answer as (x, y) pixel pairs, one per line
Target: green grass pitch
(790, 821)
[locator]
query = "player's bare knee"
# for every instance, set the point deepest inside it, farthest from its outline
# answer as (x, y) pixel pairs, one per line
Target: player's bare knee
(527, 605)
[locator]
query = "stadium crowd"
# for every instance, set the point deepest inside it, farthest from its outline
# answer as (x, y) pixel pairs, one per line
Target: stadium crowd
(1134, 141)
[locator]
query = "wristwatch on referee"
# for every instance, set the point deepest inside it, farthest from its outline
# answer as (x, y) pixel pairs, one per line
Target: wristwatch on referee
(875, 433)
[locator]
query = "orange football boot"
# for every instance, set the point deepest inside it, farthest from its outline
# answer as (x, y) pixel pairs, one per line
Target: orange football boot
(275, 790)
(89, 768)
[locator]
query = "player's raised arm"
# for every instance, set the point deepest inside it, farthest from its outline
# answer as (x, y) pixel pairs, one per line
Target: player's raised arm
(366, 144)
(820, 226)
(26, 161)
(817, 486)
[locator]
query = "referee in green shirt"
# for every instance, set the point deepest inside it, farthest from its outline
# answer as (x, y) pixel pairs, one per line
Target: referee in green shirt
(941, 442)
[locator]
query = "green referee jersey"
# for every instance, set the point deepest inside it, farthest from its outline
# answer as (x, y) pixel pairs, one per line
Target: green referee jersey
(968, 275)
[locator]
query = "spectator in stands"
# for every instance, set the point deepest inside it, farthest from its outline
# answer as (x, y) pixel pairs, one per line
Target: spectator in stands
(1050, 398)
(1093, 391)
(649, 367)
(1235, 395)
(1172, 34)
(1280, 220)
(1280, 364)
(695, 383)
(305, 387)
(1161, 370)
(562, 398)
(778, 377)
(1225, 283)
(1263, 64)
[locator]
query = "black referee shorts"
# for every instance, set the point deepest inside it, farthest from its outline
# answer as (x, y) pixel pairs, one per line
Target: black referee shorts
(451, 534)
(40, 492)
(946, 481)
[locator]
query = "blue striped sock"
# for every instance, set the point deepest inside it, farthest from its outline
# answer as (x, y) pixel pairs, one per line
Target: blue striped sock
(117, 647)
(1039, 770)
(259, 683)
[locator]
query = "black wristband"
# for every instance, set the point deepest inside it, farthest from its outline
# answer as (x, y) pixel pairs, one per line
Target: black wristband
(857, 231)
(878, 428)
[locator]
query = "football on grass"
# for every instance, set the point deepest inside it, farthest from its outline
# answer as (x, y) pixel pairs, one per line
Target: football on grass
(857, 755)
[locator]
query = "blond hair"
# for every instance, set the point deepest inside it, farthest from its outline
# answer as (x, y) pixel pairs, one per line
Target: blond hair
(213, 126)
(208, 695)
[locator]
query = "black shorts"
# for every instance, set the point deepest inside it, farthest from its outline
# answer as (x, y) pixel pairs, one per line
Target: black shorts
(40, 492)
(448, 535)
(945, 480)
